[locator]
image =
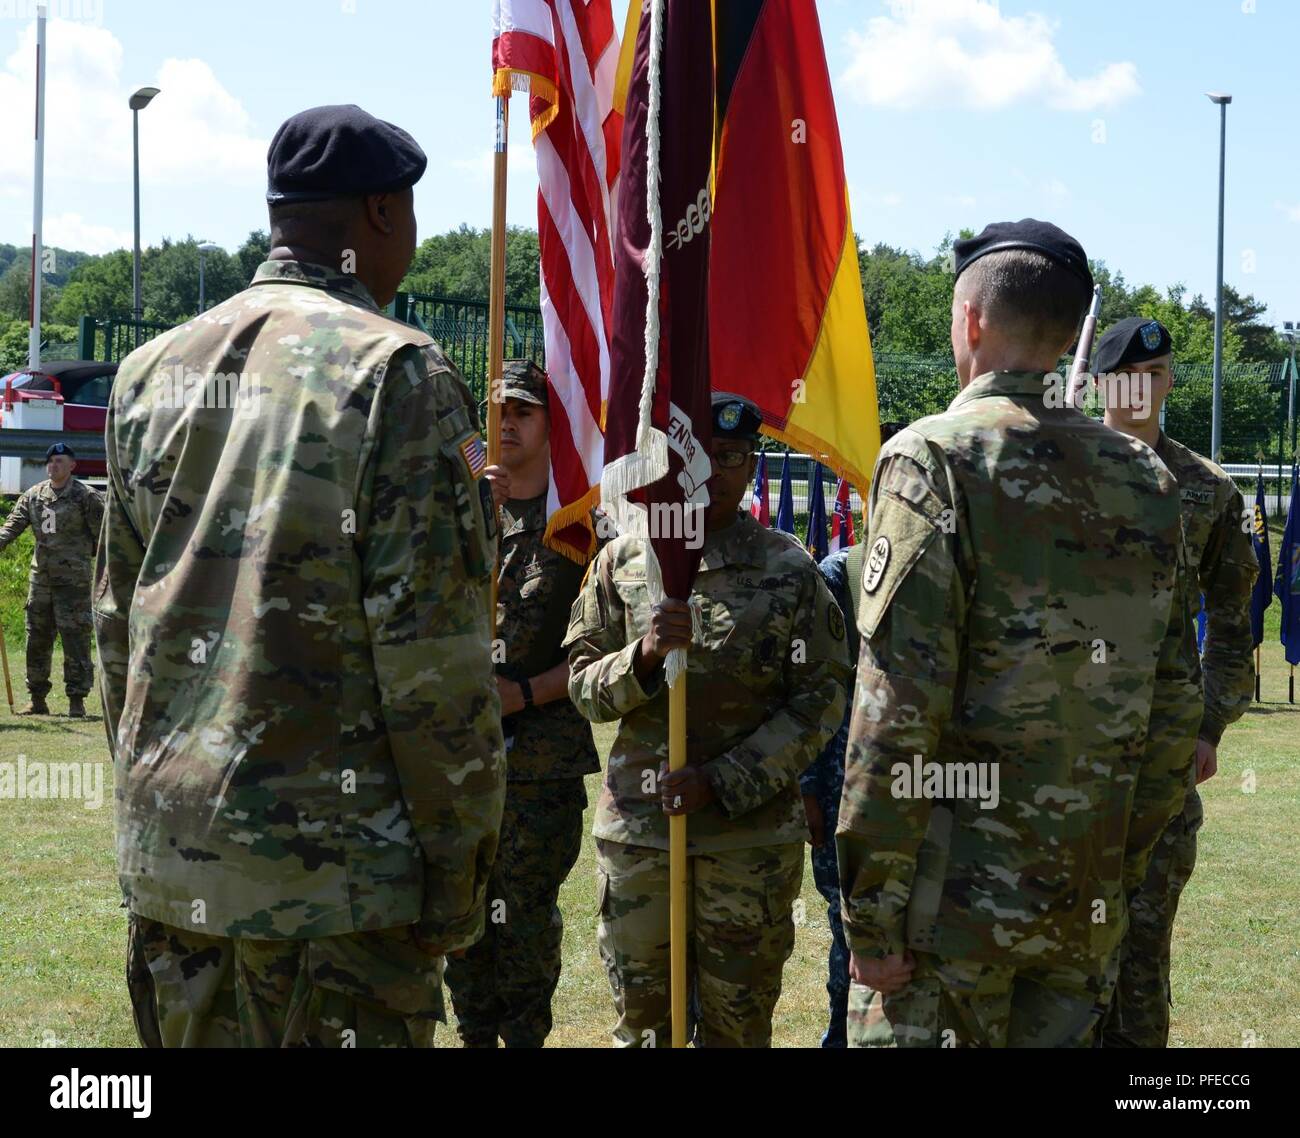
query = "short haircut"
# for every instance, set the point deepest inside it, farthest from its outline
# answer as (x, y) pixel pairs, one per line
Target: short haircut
(1027, 295)
(324, 222)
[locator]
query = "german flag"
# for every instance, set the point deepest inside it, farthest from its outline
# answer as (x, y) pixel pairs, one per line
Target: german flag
(787, 320)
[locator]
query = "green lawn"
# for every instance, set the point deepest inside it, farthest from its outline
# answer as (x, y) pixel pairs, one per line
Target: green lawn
(1236, 947)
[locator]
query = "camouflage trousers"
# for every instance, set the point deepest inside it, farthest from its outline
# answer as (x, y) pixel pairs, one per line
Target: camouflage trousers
(826, 876)
(370, 989)
(1139, 1013)
(959, 1003)
(740, 933)
(503, 985)
(63, 611)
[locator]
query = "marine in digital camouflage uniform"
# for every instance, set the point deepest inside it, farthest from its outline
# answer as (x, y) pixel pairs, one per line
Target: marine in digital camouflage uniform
(766, 689)
(291, 607)
(64, 515)
(503, 985)
(1024, 614)
(1216, 528)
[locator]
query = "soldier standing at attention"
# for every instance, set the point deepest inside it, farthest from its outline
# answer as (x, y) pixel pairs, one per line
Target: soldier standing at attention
(503, 985)
(291, 607)
(766, 692)
(1028, 691)
(65, 516)
(1216, 529)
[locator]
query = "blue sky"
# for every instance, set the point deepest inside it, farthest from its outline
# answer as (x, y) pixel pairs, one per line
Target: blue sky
(953, 113)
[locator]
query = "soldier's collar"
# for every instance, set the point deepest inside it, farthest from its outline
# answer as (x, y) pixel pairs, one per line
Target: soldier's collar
(315, 276)
(1004, 383)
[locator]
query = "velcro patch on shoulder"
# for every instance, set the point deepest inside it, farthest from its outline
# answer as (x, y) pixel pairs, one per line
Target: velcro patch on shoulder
(474, 452)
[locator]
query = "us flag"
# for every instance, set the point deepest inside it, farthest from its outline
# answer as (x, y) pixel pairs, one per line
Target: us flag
(758, 505)
(565, 54)
(842, 521)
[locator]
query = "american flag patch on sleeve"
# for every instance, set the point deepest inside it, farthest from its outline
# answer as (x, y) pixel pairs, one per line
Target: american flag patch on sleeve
(473, 451)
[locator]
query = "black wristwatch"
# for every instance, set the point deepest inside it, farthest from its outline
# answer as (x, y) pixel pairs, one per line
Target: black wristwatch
(527, 689)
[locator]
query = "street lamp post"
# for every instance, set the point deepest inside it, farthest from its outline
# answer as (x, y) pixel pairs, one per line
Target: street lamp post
(204, 247)
(1216, 416)
(1290, 333)
(137, 103)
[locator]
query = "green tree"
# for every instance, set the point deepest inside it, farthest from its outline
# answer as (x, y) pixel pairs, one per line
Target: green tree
(13, 342)
(252, 253)
(458, 263)
(169, 275)
(100, 286)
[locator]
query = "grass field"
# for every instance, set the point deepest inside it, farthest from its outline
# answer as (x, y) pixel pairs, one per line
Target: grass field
(1236, 947)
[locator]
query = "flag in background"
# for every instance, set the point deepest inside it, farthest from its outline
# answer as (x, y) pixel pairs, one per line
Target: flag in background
(785, 499)
(659, 420)
(758, 506)
(1287, 583)
(1261, 596)
(816, 541)
(842, 522)
(784, 258)
(566, 52)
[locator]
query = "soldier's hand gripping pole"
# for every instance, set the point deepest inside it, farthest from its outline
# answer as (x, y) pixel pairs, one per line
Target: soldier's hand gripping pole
(1074, 388)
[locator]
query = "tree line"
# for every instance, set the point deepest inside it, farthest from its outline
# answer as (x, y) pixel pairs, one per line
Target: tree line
(908, 299)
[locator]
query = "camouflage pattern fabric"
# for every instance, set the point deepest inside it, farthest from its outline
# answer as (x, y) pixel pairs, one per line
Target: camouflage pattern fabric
(536, 588)
(766, 688)
(502, 987)
(1062, 662)
(967, 1004)
(368, 989)
(1219, 550)
(824, 780)
(303, 717)
(740, 929)
(65, 524)
(62, 610)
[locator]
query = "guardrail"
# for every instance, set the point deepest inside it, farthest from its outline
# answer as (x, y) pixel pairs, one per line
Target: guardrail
(27, 444)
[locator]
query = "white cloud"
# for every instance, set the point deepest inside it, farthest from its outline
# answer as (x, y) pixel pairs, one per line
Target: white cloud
(72, 231)
(195, 131)
(966, 54)
(1292, 211)
(520, 159)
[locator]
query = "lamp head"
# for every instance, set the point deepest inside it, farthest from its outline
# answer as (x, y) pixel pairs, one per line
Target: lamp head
(208, 247)
(1218, 97)
(142, 98)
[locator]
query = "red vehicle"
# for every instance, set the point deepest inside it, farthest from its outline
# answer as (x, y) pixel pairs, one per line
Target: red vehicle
(85, 386)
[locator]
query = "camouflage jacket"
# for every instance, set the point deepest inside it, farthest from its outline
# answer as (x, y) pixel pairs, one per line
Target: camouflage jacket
(291, 609)
(65, 524)
(1216, 527)
(765, 687)
(536, 588)
(1024, 617)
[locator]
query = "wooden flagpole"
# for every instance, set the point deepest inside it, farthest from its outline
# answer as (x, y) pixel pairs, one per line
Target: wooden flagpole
(497, 306)
(677, 875)
(1257, 673)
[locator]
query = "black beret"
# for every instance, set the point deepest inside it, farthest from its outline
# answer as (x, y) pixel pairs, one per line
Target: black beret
(523, 379)
(339, 151)
(1028, 233)
(1133, 340)
(59, 448)
(735, 417)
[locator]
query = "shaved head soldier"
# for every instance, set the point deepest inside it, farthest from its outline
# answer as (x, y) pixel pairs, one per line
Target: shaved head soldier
(1027, 692)
(292, 618)
(1135, 359)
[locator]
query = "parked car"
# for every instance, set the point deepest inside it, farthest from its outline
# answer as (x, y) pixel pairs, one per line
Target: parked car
(85, 386)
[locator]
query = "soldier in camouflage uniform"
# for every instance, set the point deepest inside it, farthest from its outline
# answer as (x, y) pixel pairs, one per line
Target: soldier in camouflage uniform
(1216, 528)
(766, 690)
(1028, 691)
(291, 607)
(503, 985)
(65, 515)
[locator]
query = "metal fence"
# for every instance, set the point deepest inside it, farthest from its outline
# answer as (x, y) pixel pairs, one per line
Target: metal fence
(1256, 424)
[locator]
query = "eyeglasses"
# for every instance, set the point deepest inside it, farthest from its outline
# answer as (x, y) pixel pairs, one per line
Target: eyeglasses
(730, 459)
